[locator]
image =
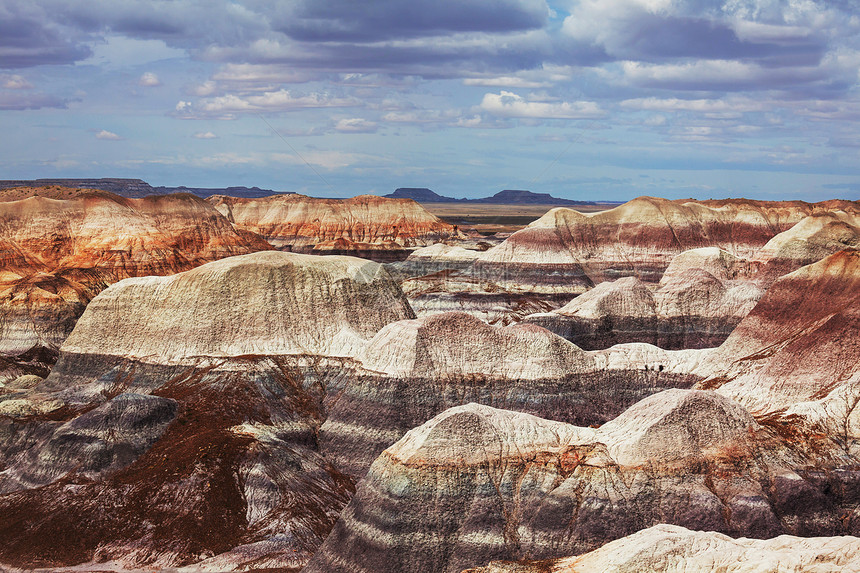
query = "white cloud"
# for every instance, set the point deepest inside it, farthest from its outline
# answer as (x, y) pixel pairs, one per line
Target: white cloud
(281, 100)
(205, 89)
(205, 135)
(698, 72)
(149, 80)
(509, 104)
(107, 135)
(328, 160)
(505, 82)
(261, 73)
(732, 105)
(15, 82)
(356, 125)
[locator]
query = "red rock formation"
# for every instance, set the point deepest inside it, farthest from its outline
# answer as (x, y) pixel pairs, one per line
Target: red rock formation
(812, 239)
(177, 427)
(476, 484)
(569, 251)
(365, 222)
(60, 247)
(799, 342)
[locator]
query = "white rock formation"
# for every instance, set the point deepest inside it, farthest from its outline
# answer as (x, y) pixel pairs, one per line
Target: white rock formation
(267, 303)
(674, 549)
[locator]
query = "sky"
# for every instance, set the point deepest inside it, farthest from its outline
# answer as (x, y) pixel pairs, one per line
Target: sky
(583, 99)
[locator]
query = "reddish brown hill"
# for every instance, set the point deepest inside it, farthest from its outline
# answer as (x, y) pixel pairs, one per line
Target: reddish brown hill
(365, 222)
(799, 342)
(59, 247)
(567, 250)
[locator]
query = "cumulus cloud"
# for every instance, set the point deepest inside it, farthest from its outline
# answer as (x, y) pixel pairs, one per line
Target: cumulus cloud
(149, 80)
(107, 135)
(15, 82)
(656, 30)
(356, 125)
(509, 104)
(205, 135)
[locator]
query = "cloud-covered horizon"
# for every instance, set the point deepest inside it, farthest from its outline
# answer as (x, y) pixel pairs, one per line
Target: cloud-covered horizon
(463, 95)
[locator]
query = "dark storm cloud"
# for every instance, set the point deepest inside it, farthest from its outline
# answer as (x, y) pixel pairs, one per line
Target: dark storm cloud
(452, 56)
(658, 38)
(375, 20)
(26, 39)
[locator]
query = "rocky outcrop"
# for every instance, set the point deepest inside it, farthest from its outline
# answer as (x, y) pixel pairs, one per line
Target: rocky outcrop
(436, 258)
(674, 549)
(611, 313)
(268, 303)
(180, 423)
(62, 247)
(689, 309)
(568, 251)
(476, 484)
(812, 239)
(366, 222)
(697, 310)
(413, 370)
(798, 343)
(433, 279)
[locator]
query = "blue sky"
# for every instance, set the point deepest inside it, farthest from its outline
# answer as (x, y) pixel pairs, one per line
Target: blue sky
(584, 99)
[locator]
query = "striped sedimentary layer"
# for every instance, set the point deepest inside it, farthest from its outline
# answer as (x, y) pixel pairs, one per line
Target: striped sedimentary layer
(180, 422)
(267, 303)
(182, 464)
(58, 252)
(476, 484)
(413, 370)
(568, 251)
(798, 344)
(690, 308)
(312, 365)
(812, 239)
(365, 222)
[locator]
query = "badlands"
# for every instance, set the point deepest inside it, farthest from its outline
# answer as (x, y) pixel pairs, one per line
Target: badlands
(222, 385)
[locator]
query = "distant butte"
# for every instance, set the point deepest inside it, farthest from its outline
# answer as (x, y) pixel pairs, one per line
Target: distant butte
(506, 197)
(134, 188)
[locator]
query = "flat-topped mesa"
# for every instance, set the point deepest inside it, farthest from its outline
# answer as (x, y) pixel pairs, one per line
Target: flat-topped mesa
(365, 222)
(799, 343)
(60, 247)
(476, 484)
(568, 250)
(674, 549)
